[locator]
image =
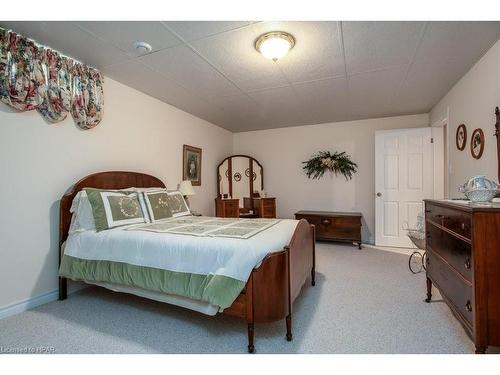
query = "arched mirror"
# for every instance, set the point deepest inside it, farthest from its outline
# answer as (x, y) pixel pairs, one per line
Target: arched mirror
(241, 177)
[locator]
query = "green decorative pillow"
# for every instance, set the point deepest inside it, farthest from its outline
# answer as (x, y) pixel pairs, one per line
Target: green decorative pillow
(114, 208)
(177, 204)
(157, 205)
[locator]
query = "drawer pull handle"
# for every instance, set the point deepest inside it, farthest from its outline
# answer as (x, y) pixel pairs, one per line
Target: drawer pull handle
(468, 306)
(326, 221)
(467, 263)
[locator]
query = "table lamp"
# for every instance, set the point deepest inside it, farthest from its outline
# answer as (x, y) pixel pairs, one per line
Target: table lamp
(186, 189)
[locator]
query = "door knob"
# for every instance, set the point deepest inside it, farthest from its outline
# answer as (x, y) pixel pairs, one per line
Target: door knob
(379, 194)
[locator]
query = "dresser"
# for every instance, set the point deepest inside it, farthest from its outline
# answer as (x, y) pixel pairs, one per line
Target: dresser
(263, 207)
(227, 207)
(334, 226)
(463, 263)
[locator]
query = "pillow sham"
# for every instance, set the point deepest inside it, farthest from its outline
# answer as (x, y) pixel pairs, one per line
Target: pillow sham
(157, 204)
(111, 208)
(177, 204)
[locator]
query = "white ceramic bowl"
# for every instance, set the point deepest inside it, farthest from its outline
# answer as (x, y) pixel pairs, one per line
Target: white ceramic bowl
(481, 195)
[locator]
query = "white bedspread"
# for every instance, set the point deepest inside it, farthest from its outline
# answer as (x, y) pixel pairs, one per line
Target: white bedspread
(230, 257)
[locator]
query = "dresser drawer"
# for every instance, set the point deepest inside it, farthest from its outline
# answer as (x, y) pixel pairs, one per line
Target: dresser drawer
(231, 209)
(455, 289)
(227, 207)
(454, 220)
(268, 207)
(455, 251)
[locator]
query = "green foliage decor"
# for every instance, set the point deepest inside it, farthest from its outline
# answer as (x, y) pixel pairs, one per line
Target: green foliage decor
(338, 162)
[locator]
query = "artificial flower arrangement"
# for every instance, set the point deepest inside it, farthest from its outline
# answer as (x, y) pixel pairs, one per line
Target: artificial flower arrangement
(338, 162)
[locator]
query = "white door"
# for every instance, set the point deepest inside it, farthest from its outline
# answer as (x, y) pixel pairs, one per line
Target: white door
(403, 178)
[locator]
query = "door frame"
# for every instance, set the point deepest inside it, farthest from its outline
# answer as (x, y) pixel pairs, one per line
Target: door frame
(441, 148)
(439, 158)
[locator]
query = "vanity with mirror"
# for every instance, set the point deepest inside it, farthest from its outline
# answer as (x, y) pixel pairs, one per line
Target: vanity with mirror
(240, 189)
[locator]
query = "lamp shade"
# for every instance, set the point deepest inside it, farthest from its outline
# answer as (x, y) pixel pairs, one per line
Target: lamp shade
(186, 188)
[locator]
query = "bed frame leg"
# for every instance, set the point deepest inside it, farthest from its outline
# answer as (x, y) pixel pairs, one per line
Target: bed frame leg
(251, 347)
(313, 269)
(63, 288)
(289, 336)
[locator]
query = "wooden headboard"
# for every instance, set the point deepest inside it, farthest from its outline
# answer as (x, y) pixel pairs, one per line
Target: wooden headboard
(101, 180)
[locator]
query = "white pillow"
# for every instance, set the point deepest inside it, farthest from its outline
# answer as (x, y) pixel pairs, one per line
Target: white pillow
(82, 218)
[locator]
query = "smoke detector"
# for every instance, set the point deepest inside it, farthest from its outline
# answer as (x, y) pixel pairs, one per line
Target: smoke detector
(142, 47)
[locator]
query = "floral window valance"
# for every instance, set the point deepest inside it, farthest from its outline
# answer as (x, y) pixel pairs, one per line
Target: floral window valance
(37, 77)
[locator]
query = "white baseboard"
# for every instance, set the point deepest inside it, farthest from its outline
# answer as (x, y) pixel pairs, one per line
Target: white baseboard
(399, 250)
(31, 303)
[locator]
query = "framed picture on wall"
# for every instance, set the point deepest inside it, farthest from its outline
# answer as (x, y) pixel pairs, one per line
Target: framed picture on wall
(477, 144)
(461, 137)
(191, 164)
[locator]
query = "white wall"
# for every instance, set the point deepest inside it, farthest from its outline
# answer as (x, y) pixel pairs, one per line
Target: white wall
(282, 151)
(472, 101)
(40, 161)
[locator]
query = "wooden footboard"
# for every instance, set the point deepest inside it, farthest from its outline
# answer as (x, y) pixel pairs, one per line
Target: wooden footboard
(275, 284)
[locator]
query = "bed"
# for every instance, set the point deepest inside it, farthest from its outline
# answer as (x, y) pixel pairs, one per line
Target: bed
(275, 277)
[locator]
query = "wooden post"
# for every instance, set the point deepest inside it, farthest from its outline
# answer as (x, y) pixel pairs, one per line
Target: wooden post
(497, 134)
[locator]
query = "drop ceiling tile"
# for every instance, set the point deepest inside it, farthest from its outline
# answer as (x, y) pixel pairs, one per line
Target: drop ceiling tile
(236, 105)
(277, 103)
(123, 34)
(193, 30)
(131, 73)
(428, 82)
(69, 39)
(188, 69)
(146, 80)
(374, 92)
(323, 101)
(233, 54)
(457, 40)
(376, 45)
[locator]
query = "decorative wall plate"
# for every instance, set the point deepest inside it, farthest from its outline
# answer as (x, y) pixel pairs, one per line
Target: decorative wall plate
(477, 143)
(461, 137)
(237, 177)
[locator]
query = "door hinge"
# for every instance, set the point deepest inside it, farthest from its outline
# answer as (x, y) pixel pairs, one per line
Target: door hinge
(432, 140)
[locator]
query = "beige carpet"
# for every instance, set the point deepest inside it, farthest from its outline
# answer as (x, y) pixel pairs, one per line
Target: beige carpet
(364, 302)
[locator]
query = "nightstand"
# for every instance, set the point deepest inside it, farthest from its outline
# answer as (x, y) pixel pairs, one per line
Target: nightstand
(227, 207)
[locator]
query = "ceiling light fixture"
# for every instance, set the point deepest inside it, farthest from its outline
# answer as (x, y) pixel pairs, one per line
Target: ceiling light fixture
(274, 45)
(142, 47)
